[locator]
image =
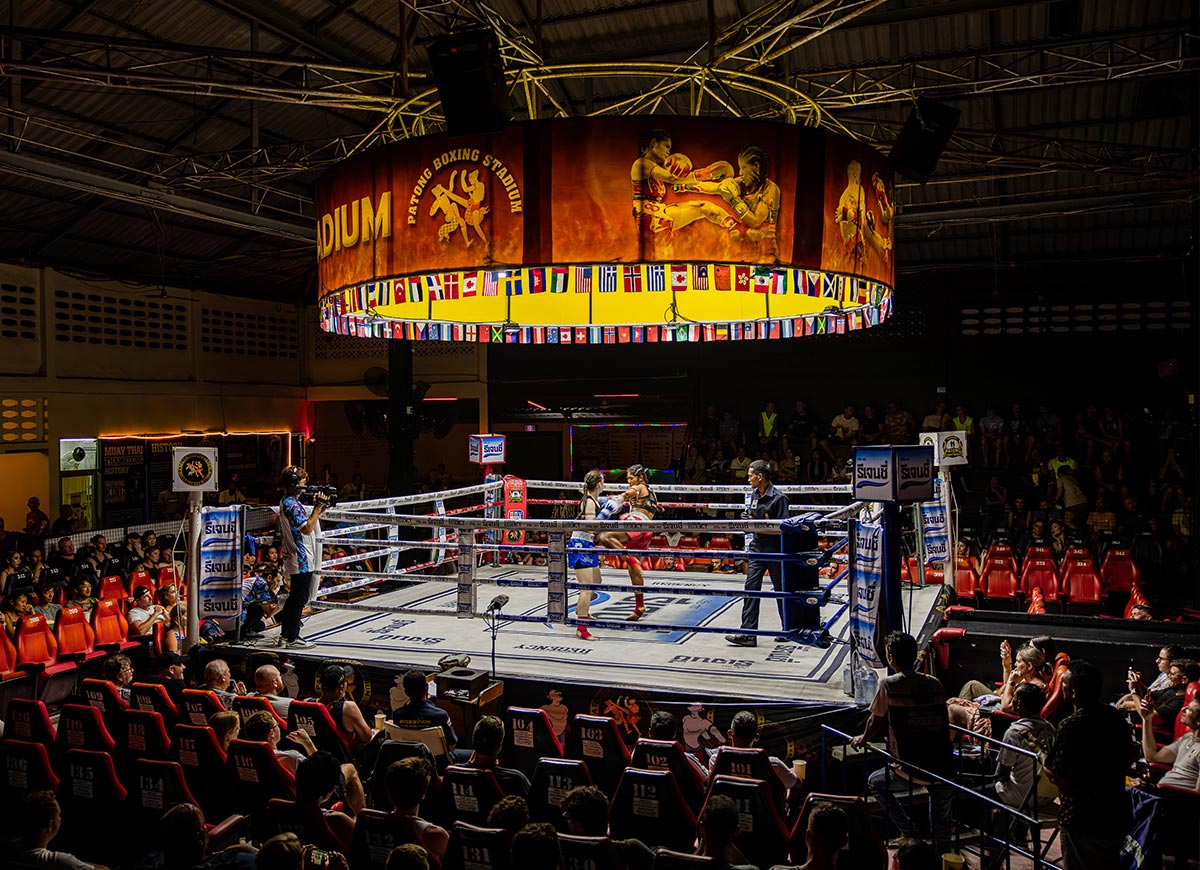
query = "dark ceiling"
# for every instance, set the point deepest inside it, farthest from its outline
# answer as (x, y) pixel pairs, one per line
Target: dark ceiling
(177, 142)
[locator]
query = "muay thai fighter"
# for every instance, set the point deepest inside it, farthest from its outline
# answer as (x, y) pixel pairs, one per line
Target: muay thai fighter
(643, 507)
(581, 552)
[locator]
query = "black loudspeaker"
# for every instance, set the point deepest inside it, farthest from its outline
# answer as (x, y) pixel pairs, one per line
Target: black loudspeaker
(470, 81)
(922, 138)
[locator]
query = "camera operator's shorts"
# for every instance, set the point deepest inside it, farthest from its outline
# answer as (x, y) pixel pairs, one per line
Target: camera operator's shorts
(581, 553)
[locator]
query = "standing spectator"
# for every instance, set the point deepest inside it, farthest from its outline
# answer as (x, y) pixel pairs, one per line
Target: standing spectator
(898, 425)
(991, 438)
(65, 524)
(731, 433)
(802, 427)
(40, 819)
(913, 706)
(1091, 754)
(938, 421)
(37, 524)
(693, 466)
(768, 427)
(1018, 439)
(1048, 426)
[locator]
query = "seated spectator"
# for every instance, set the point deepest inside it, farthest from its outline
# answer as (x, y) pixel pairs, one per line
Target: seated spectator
(1092, 752)
(169, 560)
(260, 592)
(843, 432)
(175, 631)
(870, 427)
(184, 839)
(218, 679)
(261, 727)
(12, 609)
(144, 614)
(1141, 612)
(407, 782)
(64, 524)
(664, 726)
(118, 670)
(167, 595)
(346, 715)
(510, 814)
(963, 422)
(1168, 702)
(79, 594)
(898, 425)
(1016, 774)
(828, 832)
(408, 856)
(1058, 540)
(15, 577)
(44, 593)
(719, 827)
(585, 810)
(1036, 537)
(536, 847)
(1137, 689)
(225, 724)
(739, 466)
(41, 571)
(1101, 519)
(743, 734)
(1026, 668)
(318, 779)
(1183, 755)
(268, 683)
(231, 494)
(816, 470)
(281, 852)
(488, 739)
(991, 438)
(917, 855)
(938, 421)
(172, 667)
(63, 558)
(1018, 517)
(39, 819)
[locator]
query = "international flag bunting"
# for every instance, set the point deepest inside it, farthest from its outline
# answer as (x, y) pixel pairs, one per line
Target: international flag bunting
(829, 288)
(497, 334)
(385, 293)
(560, 277)
(511, 281)
(490, 284)
(741, 278)
(539, 335)
(609, 335)
(656, 278)
(372, 295)
(595, 334)
(565, 334)
(623, 334)
(606, 279)
(764, 280)
(471, 332)
(721, 277)
(470, 284)
(812, 283)
(780, 287)
(434, 285)
(416, 292)
(700, 277)
(637, 334)
(679, 278)
(552, 333)
(633, 279)
(583, 279)
(787, 329)
(450, 284)
(537, 280)
(581, 335)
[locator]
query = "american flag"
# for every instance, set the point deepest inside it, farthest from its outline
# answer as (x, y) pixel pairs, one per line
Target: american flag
(490, 286)
(583, 279)
(606, 279)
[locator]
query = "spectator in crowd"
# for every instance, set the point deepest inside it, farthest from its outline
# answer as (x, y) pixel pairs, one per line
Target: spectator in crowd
(1141, 612)
(1183, 755)
(38, 568)
(318, 778)
(118, 670)
(1035, 537)
(789, 469)
(231, 494)
(345, 712)
(225, 724)
(913, 707)
(535, 847)
(1166, 655)
(664, 726)
(219, 679)
(843, 432)
(14, 608)
(917, 855)
(40, 819)
(144, 614)
(694, 466)
(37, 524)
(184, 839)
(65, 522)
(739, 466)
(407, 856)
(938, 420)
(79, 594)
(585, 810)
(1048, 426)
(828, 832)
(803, 427)
(268, 683)
(1101, 518)
(1016, 774)
(731, 433)
(1131, 519)
(1058, 540)
(991, 438)
(45, 592)
(709, 430)
(1071, 496)
(963, 422)
(355, 490)
(1018, 439)
(175, 631)
(261, 727)
(407, 783)
(420, 712)
(488, 739)
(743, 734)
(1108, 472)
(509, 814)
(898, 424)
(281, 852)
(1091, 754)
(870, 427)
(15, 577)
(719, 828)
(769, 426)
(816, 470)
(172, 668)
(1168, 701)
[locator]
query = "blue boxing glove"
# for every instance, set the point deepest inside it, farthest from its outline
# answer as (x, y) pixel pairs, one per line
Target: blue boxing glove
(611, 508)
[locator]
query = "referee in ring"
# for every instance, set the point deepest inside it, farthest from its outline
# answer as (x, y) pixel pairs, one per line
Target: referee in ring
(766, 503)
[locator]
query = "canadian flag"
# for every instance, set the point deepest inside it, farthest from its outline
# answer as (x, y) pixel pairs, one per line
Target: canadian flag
(470, 283)
(679, 277)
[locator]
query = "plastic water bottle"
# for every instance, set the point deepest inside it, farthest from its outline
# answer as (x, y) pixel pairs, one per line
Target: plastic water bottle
(847, 684)
(865, 685)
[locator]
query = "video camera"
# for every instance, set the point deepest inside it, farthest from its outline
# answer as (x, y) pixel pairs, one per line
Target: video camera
(308, 494)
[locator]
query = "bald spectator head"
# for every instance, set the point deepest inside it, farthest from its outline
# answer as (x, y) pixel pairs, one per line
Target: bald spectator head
(267, 680)
(216, 675)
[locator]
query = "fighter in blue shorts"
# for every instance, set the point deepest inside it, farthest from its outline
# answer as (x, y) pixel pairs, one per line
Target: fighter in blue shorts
(581, 546)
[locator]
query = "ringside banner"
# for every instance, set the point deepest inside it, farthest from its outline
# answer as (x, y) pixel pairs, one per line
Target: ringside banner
(866, 590)
(221, 565)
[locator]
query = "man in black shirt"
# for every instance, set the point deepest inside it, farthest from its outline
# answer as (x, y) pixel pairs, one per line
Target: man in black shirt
(488, 738)
(420, 712)
(766, 503)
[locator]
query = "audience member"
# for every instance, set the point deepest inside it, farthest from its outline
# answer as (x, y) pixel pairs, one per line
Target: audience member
(346, 715)
(917, 855)
(407, 783)
(488, 739)
(219, 680)
(419, 711)
(184, 839)
(1091, 755)
(261, 727)
(510, 814)
(118, 670)
(743, 734)
(825, 837)
(1183, 755)
(720, 824)
(172, 667)
(1162, 679)
(318, 779)
(45, 592)
(40, 819)
(535, 847)
(144, 614)
(225, 724)
(268, 683)
(1016, 774)
(585, 810)
(664, 726)
(15, 577)
(408, 856)
(13, 609)
(281, 852)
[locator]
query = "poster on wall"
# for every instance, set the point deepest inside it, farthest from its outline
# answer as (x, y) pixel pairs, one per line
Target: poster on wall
(123, 481)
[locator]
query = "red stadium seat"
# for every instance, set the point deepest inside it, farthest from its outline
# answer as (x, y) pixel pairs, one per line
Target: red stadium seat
(587, 852)
(865, 849)
(528, 737)
(82, 727)
(752, 763)
(13, 683)
(596, 742)
(245, 705)
(553, 778)
(93, 803)
(307, 821)
(648, 806)
(1042, 574)
(1073, 553)
(199, 705)
(158, 786)
(468, 794)
(153, 696)
(37, 650)
(472, 847)
(75, 637)
(29, 720)
(376, 834)
(144, 736)
(763, 836)
(1118, 572)
(141, 578)
(1038, 551)
(25, 767)
(113, 588)
(167, 576)
(668, 859)
(668, 755)
(966, 580)
(692, 543)
(105, 697)
(659, 542)
(1188, 696)
(204, 766)
(257, 776)
(998, 580)
(111, 628)
(314, 719)
(1081, 584)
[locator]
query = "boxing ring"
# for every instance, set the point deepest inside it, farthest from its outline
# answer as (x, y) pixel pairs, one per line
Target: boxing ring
(374, 608)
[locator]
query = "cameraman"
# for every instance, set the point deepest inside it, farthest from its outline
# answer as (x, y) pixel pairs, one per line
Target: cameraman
(301, 555)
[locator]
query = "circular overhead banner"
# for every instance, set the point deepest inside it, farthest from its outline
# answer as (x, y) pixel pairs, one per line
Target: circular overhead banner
(608, 230)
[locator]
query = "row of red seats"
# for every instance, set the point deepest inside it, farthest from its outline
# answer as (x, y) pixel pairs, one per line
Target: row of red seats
(1076, 581)
(696, 562)
(1118, 570)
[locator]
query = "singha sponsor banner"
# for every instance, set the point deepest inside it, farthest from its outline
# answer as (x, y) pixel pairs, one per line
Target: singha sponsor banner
(221, 565)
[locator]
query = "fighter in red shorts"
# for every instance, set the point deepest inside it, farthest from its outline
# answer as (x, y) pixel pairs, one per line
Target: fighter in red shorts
(643, 506)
